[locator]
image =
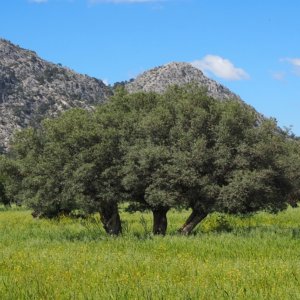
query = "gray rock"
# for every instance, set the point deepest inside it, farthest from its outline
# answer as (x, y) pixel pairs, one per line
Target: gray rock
(177, 73)
(32, 89)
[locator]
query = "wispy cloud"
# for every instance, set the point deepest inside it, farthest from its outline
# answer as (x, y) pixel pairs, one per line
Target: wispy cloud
(107, 1)
(124, 1)
(279, 75)
(105, 81)
(295, 62)
(220, 67)
(38, 1)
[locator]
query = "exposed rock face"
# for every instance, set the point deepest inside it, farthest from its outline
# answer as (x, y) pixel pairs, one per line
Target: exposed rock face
(160, 78)
(31, 88)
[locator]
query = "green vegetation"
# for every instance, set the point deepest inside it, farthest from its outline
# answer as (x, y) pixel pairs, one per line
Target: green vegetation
(227, 258)
(180, 158)
(179, 150)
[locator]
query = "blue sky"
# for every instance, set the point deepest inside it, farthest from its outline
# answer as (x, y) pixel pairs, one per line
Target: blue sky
(251, 46)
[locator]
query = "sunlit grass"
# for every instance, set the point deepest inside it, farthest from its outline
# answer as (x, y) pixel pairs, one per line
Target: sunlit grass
(227, 258)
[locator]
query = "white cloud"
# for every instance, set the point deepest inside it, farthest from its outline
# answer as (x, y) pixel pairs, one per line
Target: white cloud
(107, 1)
(38, 1)
(220, 67)
(105, 81)
(124, 1)
(295, 62)
(279, 75)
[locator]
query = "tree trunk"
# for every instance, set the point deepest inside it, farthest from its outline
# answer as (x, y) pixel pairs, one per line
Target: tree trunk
(110, 218)
(193, 220)
(160, 221)
(293, 200)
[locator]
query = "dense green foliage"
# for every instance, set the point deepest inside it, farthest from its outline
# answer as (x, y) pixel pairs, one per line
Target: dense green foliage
(74, 259)
(193, 151)
(10, 180)
(181, 149)
(3, 197)
(69, 163)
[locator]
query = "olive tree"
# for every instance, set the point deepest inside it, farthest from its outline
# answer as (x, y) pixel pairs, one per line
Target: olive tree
(3, 196)
(10, 180)
(290, 162)
(180, 149)
(193, 151)
(70, 163)
(163, 163)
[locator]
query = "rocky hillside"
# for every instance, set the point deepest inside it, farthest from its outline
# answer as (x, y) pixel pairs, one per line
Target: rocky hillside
(32, 88)
(158, 80)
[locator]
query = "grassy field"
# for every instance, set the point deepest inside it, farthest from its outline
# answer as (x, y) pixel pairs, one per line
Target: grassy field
(227, 258)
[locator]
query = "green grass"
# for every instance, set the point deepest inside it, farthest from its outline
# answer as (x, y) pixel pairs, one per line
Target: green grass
(227, 258)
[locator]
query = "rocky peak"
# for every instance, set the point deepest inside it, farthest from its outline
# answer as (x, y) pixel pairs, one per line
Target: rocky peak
(32, 89)
(177, 73)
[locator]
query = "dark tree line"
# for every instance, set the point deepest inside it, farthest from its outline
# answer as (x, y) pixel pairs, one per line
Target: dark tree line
(182, 149)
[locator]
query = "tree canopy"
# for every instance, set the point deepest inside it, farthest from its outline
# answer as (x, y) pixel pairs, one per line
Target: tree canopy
(181, 149)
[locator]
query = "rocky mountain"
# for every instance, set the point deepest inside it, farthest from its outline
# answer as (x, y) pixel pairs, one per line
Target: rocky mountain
(175, 73)
(32, 88)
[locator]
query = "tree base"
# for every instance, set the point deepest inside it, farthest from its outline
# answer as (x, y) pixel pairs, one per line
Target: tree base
(193, 220)
(160, 221)
(110, 218)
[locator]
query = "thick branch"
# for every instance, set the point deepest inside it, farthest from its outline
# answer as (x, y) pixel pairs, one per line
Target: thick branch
(192, 221)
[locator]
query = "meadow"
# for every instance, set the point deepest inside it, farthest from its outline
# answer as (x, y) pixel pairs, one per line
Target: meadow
(228, 257)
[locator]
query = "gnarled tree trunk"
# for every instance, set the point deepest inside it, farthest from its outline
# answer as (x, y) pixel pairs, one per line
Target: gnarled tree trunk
(160, 221)
(110, 218)
(293, 200)
(193, 220)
